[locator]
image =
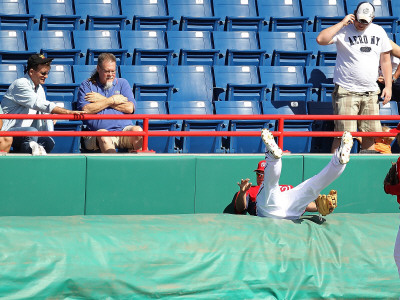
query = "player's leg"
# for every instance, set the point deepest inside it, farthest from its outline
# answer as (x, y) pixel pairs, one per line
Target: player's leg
(268, 195)
(397, 251)
(308, 191)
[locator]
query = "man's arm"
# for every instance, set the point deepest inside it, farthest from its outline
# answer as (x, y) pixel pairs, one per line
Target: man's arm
(61, 110)
(396, 49)
(312, 207)
(99, 102)
(325, 37)
(241, 203)
(127, 107)
(386, 66)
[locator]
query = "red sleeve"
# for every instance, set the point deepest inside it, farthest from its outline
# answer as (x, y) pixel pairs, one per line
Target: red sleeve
(394, 189)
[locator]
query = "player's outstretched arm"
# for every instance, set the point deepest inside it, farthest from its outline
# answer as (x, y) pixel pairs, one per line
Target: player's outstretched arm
(241, 203)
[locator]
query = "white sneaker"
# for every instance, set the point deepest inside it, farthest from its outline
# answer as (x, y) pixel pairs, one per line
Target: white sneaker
(272, 149)
(343, 152)
(37, 149)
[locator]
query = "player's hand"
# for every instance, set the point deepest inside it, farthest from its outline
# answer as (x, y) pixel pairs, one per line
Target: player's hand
(94, 97)
(119, 99)
(244, 185)
(386, 95)
(349, 19)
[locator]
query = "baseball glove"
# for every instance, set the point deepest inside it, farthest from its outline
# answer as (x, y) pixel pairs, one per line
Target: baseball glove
(327, 203)
(391, 177)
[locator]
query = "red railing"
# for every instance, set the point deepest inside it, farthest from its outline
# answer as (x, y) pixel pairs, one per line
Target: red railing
(281, 133)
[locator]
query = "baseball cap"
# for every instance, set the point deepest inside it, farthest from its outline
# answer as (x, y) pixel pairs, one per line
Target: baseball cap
(37, 59)
(365, 11)
(260, 166)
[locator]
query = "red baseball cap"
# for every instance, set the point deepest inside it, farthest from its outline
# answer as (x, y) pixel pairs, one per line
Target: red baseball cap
(395, 130)
(260, 166)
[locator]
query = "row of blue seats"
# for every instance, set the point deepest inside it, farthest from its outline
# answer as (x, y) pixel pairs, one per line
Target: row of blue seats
(270, 15)
(188, 83)
(165, 48)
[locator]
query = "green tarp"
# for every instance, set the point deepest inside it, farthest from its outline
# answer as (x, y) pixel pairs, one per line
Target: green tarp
(202, 256)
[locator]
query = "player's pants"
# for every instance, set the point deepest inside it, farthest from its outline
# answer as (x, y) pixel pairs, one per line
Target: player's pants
(397, 251)
(291, 204)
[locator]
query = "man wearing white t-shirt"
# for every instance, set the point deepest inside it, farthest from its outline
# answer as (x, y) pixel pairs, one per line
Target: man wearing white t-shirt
(361, 48)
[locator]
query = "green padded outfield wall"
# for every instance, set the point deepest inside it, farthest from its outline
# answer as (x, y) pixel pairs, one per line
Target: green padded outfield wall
(42, 186)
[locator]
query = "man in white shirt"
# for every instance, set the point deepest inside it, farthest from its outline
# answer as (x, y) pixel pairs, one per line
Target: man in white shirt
(5, 141)
(361, 47)
(26, 96)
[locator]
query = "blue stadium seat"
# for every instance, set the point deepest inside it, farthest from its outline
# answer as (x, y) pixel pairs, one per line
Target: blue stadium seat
(55, 44)
(321, 79)
(238, 14)
(93, 43)
(191, 83)
(395, 6)
(238, 83)
(9, 73)
(14, 15)
(60, 85)
(293, 144)
(194, 144)
(323, 55)
(146, 47)
(13, 47)
(146, 15)
(193, 15)
(285, 83)
(389, 109)
(100, 14)
(238, 48)
(160, 144)
(148, 82)
(282, 15)
(284, 49)
(82, 72)
(243, 144)
(383, 17)
(323, 13)
(192, 48)
(54, 15)
(321, 144)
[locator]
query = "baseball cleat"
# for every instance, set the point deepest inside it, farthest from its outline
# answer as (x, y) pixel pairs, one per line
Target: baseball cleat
(272, 148)
(344, 149)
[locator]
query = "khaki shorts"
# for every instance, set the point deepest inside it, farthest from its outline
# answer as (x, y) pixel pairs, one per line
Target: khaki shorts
(121, 142)
(351, 103)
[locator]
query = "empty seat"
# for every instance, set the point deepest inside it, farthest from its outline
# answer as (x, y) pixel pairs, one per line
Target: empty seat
(100, 14)
(148, 82)
(160, 144)
(198, 144)
(191, 83)
(293, 144)
(82, 72)
(14, 15)
(55, 44)
(382, 13)
(146, 15)
(238, 14)
(243, 144)
(54, 14)
(9, 73)
(285, 83)
(13, 47)
(389, 109)
(238, 83)
(238, 48)
(60, 85)
(192, 47)
(282, 15)
(321, 79)
(146, 47)
(284, 49)
(193, 15)
(323, 55)
(321, 144)
(323, 13)
(93, 43)
(66, 144)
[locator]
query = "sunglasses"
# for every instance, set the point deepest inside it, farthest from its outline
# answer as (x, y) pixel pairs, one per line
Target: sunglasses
(260, 174)
(44, 73)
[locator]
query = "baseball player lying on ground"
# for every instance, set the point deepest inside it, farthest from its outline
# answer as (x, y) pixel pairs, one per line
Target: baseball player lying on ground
(291, 203)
